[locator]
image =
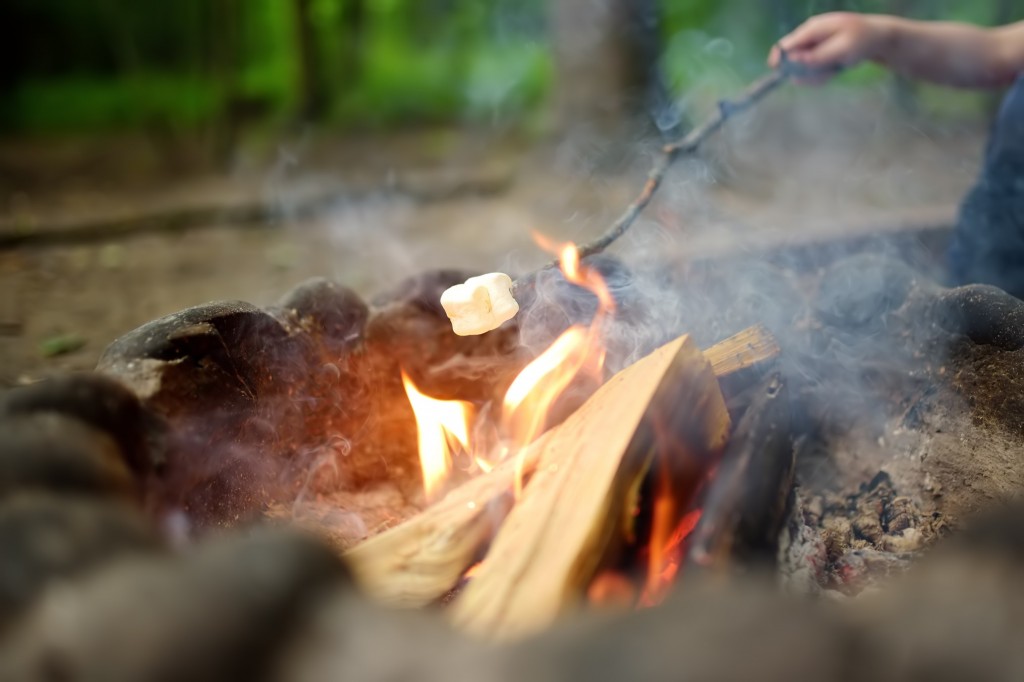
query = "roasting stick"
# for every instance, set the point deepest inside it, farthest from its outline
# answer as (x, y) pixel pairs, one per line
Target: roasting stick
(486, 302)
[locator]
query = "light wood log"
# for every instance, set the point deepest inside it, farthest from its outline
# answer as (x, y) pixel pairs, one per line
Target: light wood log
(745, 349)
(571, 514)
(418, 561)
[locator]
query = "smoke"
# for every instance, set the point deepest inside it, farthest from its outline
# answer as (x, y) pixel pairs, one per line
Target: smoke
(722, 247)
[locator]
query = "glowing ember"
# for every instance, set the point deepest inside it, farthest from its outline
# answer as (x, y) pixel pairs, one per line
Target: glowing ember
(438, 424)
(666, 550)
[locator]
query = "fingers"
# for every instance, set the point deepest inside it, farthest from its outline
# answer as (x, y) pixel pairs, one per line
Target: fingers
(802, 40)
(839, 50)
(823, 42)
(810, 33)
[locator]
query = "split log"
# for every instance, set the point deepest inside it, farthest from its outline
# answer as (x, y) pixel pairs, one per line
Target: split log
(417, 562)
(573, 511)
(743, 350)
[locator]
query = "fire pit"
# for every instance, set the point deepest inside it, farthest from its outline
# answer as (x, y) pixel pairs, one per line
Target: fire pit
(632, 431)
(878, 415)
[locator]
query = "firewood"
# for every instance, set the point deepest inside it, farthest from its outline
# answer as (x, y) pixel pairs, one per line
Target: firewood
(745, 509)
(571, 514)
(420, 560)
(747, 348)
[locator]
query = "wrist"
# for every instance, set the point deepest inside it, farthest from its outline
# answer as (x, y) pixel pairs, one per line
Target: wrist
(885, 33)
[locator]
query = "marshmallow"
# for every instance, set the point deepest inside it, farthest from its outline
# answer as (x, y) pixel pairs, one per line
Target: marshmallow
(481, 304)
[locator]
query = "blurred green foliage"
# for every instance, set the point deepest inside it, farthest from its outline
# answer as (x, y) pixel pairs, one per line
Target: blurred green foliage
(102, 64)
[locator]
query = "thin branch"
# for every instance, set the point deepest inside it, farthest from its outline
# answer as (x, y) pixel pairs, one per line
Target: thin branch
(726, 109)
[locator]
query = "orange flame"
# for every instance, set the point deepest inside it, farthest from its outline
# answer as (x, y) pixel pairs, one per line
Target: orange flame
(575, 272)
(529, 399)
(438, 423)
(577, 351)
(666, 549)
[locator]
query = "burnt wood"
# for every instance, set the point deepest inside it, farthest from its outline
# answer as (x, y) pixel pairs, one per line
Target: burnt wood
(746, 502)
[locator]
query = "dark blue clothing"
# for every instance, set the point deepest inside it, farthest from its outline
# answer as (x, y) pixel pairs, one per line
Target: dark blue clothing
(988, 244)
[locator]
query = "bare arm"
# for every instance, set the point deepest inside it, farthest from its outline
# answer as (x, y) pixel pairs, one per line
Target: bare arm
(948, 53)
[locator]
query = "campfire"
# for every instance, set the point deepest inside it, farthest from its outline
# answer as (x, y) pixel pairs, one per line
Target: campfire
(637, 432)
(512, 489)
(524, 538)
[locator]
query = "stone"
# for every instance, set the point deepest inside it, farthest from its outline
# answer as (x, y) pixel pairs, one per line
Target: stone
(230, 381)
(221, 611)
(52, 452)
(985, 314)
(103, 403)
(224, 351)
(46, 538)
(332, 313)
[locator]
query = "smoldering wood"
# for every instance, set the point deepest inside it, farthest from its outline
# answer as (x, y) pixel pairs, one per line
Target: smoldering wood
(902, 378)
(746, 504)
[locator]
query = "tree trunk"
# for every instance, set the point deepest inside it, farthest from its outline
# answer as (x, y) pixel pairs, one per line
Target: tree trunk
(353, 26)
(606, 55)
(312, 98)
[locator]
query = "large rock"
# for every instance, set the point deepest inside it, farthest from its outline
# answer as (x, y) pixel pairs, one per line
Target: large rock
(333, 314)
(101, 402)
(46, 538)
(51, 452)
(221, 612)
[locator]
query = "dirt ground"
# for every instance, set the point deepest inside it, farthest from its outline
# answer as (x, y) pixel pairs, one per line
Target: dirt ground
(806, 167)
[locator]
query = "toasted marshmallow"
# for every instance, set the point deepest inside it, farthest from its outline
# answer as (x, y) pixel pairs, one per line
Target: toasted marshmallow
(481, 304)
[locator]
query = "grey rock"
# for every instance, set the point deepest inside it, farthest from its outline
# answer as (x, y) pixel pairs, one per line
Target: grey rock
(985, 314)
(220, 612)
(52, 452)
(46, 538)
(332, 313)
(101, 402)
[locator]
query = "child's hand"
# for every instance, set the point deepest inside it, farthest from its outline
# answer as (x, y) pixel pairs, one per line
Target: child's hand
(829, 42)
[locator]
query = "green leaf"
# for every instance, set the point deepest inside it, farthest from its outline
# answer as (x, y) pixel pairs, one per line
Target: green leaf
(61, 344)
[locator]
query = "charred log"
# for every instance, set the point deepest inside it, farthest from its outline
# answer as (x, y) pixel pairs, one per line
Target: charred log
(746, 503)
